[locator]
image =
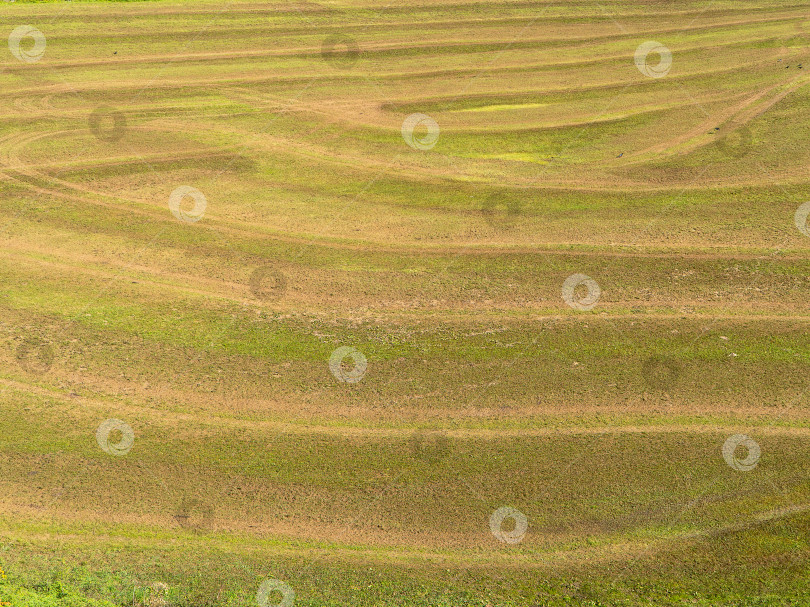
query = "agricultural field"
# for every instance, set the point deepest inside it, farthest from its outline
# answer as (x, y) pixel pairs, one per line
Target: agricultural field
(429, 303)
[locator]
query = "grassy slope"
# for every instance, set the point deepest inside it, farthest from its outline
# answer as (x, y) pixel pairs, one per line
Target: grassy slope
(484, 389)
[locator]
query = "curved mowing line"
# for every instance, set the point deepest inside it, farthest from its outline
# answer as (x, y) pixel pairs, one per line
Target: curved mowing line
(175, 420)
(413, 104)
(433, 48)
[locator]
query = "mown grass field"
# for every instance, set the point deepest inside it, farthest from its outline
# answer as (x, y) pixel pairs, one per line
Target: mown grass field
(241, 456)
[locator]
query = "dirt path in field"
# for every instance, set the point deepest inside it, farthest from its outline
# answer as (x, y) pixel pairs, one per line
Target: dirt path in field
(371, 46)
(736, 116)
(365, 544)
(78, 407)
(170, 283)
(28, 175)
